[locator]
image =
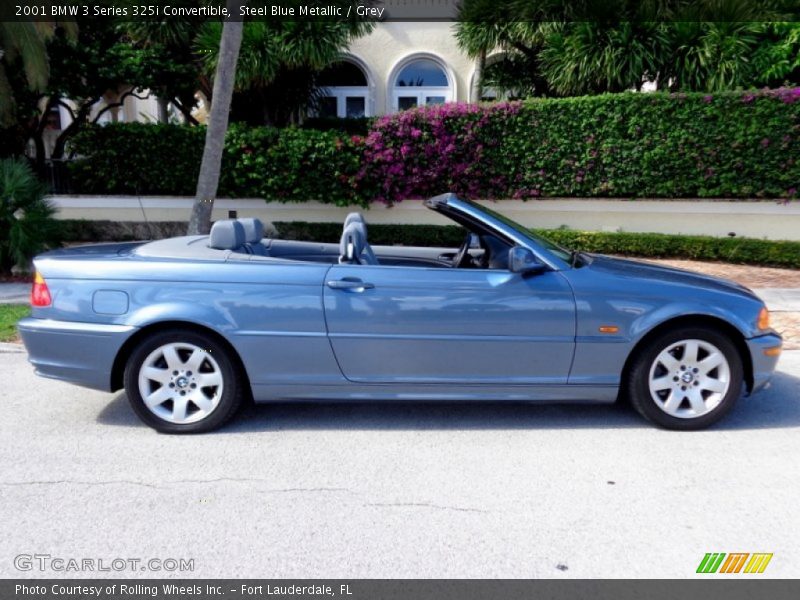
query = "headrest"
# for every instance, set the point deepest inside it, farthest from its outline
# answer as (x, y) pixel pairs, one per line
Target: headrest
(226, 235)
(353, 216)
(352, 243)
(356, 218)
(253, 230)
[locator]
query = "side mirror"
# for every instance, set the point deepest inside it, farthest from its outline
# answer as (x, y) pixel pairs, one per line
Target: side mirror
(523, 261)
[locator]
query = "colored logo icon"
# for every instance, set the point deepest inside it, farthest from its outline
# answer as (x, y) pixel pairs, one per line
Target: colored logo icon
(735, 562)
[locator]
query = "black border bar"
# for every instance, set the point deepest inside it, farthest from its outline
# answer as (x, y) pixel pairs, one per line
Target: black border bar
(711, 587)
(494, 11)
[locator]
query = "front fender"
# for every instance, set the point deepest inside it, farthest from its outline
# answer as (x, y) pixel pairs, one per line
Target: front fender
(650, 320)
(599, 358)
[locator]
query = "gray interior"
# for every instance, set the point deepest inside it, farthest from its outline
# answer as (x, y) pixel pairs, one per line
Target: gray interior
(239, 239)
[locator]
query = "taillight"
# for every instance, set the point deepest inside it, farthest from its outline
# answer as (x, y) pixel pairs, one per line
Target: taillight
(40, 295)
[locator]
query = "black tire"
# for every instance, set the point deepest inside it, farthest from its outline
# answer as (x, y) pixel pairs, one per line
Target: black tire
(638, 380)
(217, 363)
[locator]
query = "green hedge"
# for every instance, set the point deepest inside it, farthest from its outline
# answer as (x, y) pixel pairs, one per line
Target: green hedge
(646, 245)
(291, 164)
(747, 251)
(137, 158)
(735, 145)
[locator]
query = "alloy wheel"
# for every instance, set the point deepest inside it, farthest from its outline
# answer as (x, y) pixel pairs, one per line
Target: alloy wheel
(180, 383)
(689, 378)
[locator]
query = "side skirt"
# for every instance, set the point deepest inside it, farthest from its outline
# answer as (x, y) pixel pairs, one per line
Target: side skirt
(360, 392)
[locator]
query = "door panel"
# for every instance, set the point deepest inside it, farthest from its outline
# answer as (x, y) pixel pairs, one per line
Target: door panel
(439, 325)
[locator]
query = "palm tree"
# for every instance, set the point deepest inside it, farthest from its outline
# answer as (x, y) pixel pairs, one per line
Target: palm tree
(291, 53)
(23, 41)
(211, 164)
(271, 46)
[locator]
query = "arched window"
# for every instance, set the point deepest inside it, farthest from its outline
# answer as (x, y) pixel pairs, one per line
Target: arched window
(420, 82)
(345, 91)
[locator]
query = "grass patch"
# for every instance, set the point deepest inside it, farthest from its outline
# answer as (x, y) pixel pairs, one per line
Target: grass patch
(9, 315)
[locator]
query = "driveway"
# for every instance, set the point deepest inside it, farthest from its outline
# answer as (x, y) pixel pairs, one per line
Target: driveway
(409, 490)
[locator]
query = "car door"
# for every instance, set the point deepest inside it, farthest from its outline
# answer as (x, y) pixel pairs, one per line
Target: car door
(392, 324)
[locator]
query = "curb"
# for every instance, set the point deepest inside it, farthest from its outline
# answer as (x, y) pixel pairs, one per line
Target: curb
(6, 348)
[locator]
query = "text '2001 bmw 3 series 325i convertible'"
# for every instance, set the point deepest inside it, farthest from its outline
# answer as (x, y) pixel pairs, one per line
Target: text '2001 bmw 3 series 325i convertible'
(192, 326)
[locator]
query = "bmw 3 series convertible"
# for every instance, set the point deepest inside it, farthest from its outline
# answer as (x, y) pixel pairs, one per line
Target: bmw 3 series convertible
(191, 327)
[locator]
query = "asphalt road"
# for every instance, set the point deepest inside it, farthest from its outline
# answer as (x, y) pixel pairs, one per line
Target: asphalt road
(408, 490)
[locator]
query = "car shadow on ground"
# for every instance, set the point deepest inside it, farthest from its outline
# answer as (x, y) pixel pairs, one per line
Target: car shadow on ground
(778, 407)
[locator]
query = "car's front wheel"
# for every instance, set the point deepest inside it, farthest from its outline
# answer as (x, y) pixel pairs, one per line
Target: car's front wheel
(182, 382)
(687, 378)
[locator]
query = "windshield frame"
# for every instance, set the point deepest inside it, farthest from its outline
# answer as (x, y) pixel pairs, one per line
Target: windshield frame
(559, 251)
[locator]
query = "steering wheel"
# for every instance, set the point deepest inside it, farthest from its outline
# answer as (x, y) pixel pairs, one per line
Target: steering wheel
(462, 258)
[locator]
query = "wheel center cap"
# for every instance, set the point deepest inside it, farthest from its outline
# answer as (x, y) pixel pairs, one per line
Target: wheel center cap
(182, 382)
(687, 377)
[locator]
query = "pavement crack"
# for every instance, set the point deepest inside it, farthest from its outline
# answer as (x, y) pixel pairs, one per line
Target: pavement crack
(253, 480)
(303, 490)
(76, 482)
(425, 505)
(163, 484)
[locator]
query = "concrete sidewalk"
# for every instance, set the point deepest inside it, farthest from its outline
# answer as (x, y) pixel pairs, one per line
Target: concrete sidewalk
(15, 293)
(780, 299)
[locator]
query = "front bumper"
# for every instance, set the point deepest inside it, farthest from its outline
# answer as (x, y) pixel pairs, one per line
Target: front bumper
(763, 363)
(79, 353)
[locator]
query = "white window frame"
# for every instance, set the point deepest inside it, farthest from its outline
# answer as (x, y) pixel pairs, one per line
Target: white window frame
(342, 93)
(395, 92)
(421, 93)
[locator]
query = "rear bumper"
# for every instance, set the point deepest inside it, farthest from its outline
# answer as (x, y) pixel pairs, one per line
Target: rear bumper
(79, 353)
(763, 364)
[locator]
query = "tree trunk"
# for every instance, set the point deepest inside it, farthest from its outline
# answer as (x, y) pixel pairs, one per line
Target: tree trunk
(477, 81)
(81, 117)
(211, 165)
(163, 109)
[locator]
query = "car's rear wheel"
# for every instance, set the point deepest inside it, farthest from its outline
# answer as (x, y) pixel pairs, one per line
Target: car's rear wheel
(687, 378)
(181, 381)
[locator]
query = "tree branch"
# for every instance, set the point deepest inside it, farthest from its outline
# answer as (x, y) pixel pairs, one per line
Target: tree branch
(186, 112)
(118, 103)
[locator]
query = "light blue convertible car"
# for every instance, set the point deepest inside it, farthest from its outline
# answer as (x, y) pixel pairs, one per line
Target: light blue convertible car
(193, 326)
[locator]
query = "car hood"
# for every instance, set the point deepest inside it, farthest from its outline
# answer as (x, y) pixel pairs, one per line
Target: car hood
(641, 270)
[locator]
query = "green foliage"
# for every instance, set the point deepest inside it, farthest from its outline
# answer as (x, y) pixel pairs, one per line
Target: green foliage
(138, 158)
(92, 231)
(729, 145)
(737, 250)
(24, 50)
(653, 145)
(26, 226)
(291, 164)
(561, 48)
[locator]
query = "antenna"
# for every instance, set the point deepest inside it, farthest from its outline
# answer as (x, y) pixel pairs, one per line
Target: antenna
(144, 214)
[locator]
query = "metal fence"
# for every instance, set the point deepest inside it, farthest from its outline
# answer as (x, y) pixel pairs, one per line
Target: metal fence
(55, 173)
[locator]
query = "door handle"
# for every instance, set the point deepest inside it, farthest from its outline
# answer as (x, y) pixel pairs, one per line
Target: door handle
(349, 283)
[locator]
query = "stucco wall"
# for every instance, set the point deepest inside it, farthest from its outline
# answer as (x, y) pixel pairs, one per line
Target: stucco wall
(389, 44)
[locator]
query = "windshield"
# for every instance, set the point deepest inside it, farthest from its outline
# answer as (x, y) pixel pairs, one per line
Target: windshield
(560, 252)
